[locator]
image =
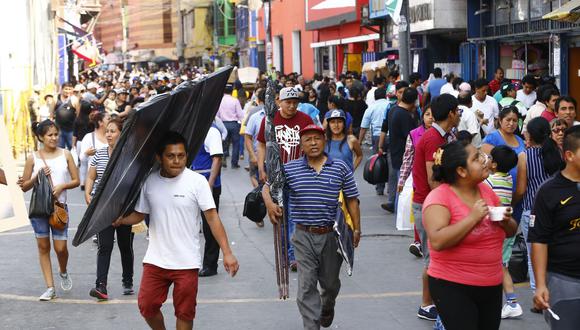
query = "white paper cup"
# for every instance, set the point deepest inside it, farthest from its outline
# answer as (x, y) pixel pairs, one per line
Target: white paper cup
(496, 213)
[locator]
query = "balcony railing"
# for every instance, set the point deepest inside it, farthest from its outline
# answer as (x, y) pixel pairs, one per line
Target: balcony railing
(534, 26)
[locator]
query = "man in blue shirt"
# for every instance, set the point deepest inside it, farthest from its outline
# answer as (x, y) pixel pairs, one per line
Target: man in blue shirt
(208, 162)
(434, 87)
(373, 118)
(314, 183)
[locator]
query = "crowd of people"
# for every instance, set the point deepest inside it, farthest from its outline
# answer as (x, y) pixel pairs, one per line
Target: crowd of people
(485, 159)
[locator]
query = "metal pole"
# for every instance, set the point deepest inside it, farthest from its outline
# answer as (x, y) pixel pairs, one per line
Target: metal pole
(125, 27)
(404, 36)
(179, 46)
(269, 56)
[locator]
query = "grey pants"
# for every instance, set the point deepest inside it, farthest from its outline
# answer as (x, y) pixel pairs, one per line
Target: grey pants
(318, 262)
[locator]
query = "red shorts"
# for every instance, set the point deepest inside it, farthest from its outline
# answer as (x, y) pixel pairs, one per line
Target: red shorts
(155, 284)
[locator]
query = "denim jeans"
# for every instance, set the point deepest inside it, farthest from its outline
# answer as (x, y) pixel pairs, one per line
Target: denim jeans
(65, 139)
(233, 128)
(392, 183)
(525, 224)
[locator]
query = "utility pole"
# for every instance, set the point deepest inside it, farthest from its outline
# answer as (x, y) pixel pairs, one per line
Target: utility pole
(179, 44)
(404, 37)
(125, 32)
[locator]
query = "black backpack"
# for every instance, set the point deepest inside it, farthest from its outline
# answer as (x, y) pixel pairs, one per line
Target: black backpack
(518, 265)
(376, 169)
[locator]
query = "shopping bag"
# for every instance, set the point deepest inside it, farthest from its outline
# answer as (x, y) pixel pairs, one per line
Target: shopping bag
(405, 219)
(41, 202)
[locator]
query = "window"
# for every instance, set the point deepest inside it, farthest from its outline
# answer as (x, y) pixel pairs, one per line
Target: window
(166, 16)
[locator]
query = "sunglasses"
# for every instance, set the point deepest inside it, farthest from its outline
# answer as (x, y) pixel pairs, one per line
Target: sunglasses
(558, 130)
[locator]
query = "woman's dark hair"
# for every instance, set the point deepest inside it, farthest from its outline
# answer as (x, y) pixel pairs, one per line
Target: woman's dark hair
(40, 129)
(427, 107)
(329, 134)
(118, 122)
(505, 111)
(454, 155)
(170, 138)
(95, 117)
(504, 157)
(540, 132)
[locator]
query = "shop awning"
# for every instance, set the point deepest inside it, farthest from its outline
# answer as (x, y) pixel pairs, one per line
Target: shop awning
(569, 12)
(343, 41)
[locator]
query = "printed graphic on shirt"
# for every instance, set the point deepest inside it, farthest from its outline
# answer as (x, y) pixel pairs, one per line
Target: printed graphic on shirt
(288, 138)
(575, 224)
(564, 201)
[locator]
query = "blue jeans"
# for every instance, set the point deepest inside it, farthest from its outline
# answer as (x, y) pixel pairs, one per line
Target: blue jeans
(233, 128)
(380, 187)
(525, 224)
(65, 139)
(42, 229)
(392, 183)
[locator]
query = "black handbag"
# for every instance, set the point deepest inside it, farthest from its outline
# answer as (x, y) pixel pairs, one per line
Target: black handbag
(41, 203)
(376, 169)
(518, 265)
(254, 207)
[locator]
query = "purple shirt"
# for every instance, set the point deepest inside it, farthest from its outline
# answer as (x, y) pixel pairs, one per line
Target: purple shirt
(230, 109)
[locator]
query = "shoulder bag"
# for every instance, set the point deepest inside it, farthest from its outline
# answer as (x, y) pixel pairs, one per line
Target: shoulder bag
(59, 217)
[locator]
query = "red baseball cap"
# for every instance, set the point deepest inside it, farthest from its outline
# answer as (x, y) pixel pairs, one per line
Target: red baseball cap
(311, 127)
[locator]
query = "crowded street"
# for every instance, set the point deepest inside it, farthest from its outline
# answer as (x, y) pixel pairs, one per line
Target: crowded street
(381, 294)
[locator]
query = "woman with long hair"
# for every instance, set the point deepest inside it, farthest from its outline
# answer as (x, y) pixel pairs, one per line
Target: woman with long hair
(59, 165)
(105, 239)
(407, 166)
(92, 142)
(467, 291)
(535, 165)
(339, 144)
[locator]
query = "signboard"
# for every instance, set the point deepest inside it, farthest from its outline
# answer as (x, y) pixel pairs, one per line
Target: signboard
(383, 8)
(325, 13)
(354, 62)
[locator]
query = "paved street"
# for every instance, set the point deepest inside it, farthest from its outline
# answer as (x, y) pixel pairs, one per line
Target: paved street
(383, 292)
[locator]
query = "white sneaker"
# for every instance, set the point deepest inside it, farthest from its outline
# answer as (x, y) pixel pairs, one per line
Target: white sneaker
(49, 294)
(508, 311)
(65, 281)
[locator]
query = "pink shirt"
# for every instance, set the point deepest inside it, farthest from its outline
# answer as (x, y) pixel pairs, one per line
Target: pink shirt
(548, 115)
(230, 109)
(476, 260)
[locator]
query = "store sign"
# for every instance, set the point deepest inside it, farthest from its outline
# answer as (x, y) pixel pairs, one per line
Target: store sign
(383, 8)
(325, 13)
(422, 12)
(450, 15)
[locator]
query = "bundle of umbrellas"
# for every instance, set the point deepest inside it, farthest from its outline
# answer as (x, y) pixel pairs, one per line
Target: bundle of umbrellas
(189, 110)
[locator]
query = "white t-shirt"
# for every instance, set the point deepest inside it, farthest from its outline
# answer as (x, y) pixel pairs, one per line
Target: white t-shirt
(174, 206)
(527, 100)
(371, 95)
(490, 111)
(90, 140)
(213, 142)
(446, 89)
(469, 123)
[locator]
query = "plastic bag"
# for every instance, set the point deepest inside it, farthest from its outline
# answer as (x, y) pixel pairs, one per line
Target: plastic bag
(518, 265)
(405, 219)
(254, 207)
(41, 204)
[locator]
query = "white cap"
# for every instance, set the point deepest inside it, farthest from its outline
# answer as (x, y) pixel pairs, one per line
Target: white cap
(79, 88)
(92, 85)
(464, 87)
(288, 93)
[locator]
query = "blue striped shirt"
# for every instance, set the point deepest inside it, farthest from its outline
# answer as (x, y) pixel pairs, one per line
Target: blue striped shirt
(313, 197)
(536, 175)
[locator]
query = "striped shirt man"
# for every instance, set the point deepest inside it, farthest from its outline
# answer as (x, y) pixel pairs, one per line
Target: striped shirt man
(99, 161)
(501, 183)
(313, 197)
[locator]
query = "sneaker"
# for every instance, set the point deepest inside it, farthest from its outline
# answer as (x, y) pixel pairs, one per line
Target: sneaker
(95, 239)
(293, 266)
(427, 313)
(326, 318)
(388, 207)
(65, 281)
(128, 289)
(99, 292)
(49, 294)
(509, 311)
(415, 249)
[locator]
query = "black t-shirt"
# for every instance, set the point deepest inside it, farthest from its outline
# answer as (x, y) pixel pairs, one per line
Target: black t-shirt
(82, 124)
(65, 116)
(356, 108)
(400, 123)
(555, 221)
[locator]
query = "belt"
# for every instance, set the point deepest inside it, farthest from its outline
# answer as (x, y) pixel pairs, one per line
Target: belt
(319, 230)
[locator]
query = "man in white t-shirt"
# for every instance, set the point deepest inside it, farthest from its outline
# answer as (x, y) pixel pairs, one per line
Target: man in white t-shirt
(468, 121)
(173, 197)
(527, 95)
(485, 105)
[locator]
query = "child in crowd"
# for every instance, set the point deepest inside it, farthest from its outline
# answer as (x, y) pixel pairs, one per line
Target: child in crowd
(501, 182)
